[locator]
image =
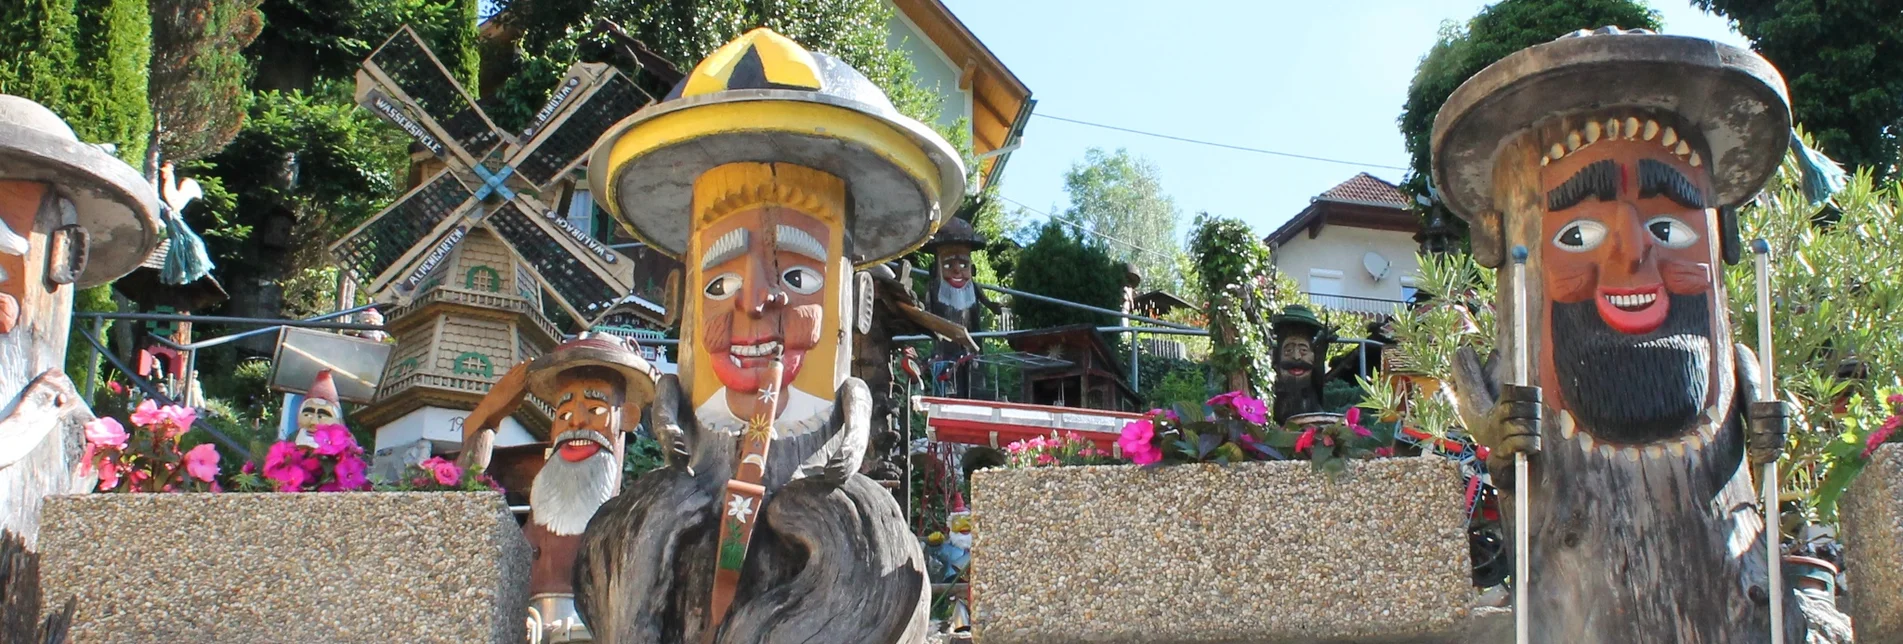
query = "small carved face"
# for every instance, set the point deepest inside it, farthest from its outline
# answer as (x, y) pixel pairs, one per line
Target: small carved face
(1297, 355)
(587, 417)
(315, 412)
(954, 265)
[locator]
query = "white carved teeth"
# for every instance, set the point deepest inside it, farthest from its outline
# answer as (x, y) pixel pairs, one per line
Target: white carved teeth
(1682, 149)
(1632, 302)
(1694, 160)
(1671, 137)
(1592, 132)
(1566, 428)
(1651, 130)
(1631, 127)
(1558, 152)
(1586, 443)
(734, 358)
(761, 350)
(1654, 452)
(1572, 141)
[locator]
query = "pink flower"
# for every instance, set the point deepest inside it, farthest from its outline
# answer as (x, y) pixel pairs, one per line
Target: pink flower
(1015, 447)
(1046, 459)
(202, 462)
(1882, 434)
(1895, 400)
(1250, 409)
(106, 432)
(333, 440)
(446, 472)
(178, 419)
(1384, 451)
(1362, 431)
(1354, 416)
(349, 471)
(147, 415)
(108, 475)
(117, 389)
(248, 468)
(1135, 442)
(1305, 441)
(290, 466)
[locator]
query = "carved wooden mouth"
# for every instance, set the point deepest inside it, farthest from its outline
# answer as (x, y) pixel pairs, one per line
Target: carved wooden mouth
(1701, 435)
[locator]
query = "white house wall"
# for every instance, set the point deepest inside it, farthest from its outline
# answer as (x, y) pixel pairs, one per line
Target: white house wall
(932, 70)
(1340, 249)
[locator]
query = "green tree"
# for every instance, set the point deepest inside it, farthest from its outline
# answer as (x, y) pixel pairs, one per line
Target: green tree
(199, 73)
(1498, 30)
(1119, 197)
(1065, 266)
(1843, 60)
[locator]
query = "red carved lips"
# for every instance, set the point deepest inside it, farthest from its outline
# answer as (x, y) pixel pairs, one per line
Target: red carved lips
(1633, 310)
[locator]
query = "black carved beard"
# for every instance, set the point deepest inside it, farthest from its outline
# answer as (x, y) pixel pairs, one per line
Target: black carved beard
(1634, 389)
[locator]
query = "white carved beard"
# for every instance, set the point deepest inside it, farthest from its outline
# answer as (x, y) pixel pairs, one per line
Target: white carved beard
(960, 539)
(566, 495)
(959, 298)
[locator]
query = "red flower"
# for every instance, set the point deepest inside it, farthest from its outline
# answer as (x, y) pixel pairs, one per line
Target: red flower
(1306, 441)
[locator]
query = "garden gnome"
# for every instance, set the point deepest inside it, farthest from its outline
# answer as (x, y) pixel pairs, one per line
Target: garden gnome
(1616, 158)
(954, 295)
(772, 173)
(599, 387)
(72, 216)
(1301, 353)
(320, 407)
(956, 553)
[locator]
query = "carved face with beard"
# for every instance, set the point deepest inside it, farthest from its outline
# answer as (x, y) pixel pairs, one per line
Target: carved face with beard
(955, 290)
(1628, 268)
(585, 468)
(34, 311)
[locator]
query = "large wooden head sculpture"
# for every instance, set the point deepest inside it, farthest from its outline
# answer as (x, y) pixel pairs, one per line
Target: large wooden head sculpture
(772, 172)
(1616, 158)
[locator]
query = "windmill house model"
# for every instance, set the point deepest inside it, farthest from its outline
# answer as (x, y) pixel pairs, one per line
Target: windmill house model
(473, 255)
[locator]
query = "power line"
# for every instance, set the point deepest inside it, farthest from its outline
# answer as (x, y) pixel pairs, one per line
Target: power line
(1290, 155)
(1086, 230)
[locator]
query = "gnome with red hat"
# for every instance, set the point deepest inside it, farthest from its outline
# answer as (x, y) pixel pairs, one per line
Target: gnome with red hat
(319, 408)
(598, 386)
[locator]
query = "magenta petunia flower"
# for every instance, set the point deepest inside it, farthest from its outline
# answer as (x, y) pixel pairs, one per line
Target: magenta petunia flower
(350, 471)
(1223, 399)
(1354, 416)
(289, 466)
(333, 440)
(1250, 409)
(106, 432)
(1135, 442)
(1882, 434)
(202, 462)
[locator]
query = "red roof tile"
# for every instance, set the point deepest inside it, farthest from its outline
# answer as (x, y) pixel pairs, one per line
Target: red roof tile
(1365, 188)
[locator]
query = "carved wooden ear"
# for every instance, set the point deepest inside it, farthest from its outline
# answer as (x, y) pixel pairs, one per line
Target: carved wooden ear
(671, 298)
(1487, 239)
(862, 309)
(905, 273)
(66, 254)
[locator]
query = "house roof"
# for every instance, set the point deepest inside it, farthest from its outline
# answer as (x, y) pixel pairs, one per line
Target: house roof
(1363, 201)
(1162, 299)
(1000, 102)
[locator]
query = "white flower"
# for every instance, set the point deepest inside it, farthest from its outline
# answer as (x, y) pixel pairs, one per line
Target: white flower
(739, 507)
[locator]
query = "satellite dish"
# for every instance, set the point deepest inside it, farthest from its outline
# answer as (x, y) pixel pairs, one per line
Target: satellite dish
(1376, 264)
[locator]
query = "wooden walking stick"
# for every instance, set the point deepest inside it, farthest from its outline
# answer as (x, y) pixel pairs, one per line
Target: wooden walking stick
(1761, 255)
(1522, 549)
(743, 500)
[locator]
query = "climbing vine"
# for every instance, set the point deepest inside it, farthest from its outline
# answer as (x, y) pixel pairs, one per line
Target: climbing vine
(1239, 294)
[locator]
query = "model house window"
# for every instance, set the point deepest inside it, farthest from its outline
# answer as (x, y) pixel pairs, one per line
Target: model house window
(1408, 289)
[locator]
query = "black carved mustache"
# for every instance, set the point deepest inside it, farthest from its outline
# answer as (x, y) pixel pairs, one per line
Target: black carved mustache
(1634, 389)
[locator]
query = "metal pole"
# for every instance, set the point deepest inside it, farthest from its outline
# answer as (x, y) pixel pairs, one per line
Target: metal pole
(220, 319)
(1522, 507)
(92, 366)
(1136, 364)
(1773, 536)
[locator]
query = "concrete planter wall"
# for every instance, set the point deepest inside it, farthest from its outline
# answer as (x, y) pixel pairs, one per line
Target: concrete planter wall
(1871, 515)
(321, 567)
(1257, 552)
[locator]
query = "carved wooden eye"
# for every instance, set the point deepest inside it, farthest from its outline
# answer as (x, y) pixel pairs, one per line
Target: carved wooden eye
(802, 280)
(723, 286)
(601, 410)
(1580, 236)
(568, 415)
(1670, 232)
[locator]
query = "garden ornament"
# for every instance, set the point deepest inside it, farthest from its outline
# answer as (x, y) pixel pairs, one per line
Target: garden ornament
(1616, 158)
(772, 173)
(1301, 359)
(318, 408)
(954, 294)
(598, 386)
(72, 216)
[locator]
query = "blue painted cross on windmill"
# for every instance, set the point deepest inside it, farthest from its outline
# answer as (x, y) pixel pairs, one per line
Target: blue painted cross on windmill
(490, 181)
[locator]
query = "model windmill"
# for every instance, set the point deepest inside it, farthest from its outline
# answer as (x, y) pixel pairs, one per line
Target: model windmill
(468, 254)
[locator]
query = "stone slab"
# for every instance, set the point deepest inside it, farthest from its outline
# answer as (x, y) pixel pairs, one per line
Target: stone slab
(321, 567)
(1256, 552)
(1871, 520)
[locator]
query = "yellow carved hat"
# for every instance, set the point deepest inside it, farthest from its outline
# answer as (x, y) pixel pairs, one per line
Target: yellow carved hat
(763, 98)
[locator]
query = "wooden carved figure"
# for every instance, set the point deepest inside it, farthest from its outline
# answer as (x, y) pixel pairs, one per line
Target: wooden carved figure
(954, 295)
(772, 173)
(1301, 352)
(599, 387)
(72, 216)
(1616, 158)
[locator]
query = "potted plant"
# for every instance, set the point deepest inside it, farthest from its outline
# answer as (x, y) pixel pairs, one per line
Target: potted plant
(170, 551)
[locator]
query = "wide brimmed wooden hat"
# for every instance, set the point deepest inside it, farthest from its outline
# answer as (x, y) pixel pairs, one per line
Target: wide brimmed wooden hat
(116, 206)
(762, 98)
(594, 350)
(1733, 98)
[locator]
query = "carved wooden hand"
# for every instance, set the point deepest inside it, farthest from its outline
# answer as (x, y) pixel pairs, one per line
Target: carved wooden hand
(479, 429)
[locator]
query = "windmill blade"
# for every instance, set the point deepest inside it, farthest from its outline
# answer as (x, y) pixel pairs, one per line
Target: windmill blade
(403, 72)
(593, 97)
(376, 250)
(585, 276)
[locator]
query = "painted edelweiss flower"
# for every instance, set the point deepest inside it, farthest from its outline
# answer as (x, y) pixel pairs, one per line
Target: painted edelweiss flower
(740, 507)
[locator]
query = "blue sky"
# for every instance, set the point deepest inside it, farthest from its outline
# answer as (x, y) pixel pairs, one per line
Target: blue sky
(1317, 78)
